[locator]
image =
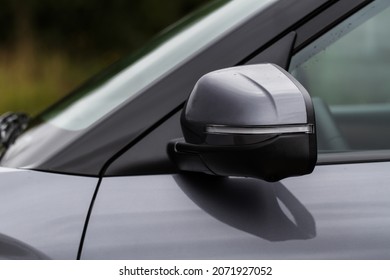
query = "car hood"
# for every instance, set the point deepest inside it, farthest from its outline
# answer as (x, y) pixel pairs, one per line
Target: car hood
(41, 214)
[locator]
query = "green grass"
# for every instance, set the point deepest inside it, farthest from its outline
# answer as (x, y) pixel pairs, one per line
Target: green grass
(30, 80)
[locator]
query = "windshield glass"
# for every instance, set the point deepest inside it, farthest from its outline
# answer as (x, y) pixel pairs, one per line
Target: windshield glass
(127, 78)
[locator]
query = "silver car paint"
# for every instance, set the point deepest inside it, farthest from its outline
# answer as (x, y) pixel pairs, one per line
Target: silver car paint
(41, 214)
(338, 212)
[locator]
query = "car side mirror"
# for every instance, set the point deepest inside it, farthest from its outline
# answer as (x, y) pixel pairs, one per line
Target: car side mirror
(250, 121)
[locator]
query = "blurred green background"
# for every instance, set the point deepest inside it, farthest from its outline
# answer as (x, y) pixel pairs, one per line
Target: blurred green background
(48, 48)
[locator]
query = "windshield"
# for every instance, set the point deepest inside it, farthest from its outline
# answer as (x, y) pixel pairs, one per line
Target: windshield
(130, 76)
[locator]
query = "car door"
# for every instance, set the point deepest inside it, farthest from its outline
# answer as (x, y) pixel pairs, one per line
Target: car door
(146, 209)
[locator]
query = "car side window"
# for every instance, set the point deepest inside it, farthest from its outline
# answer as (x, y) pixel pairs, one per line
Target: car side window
(347, 73)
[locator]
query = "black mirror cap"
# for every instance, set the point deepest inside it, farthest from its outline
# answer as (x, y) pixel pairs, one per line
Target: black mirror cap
(251, 121)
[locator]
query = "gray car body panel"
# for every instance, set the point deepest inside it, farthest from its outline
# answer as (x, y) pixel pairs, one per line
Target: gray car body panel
(41, 214)
(338, 212)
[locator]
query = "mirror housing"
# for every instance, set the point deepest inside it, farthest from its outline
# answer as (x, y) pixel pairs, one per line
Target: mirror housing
(248, 121)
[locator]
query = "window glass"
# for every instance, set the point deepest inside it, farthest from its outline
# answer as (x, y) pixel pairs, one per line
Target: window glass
(131, 75)
(347, 72)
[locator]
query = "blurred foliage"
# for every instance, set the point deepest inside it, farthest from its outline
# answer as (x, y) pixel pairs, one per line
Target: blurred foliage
(49, 47)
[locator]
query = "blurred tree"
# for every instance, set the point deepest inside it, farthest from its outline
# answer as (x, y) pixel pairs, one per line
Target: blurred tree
(5, 19)
(48, 47)
(87, 26)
